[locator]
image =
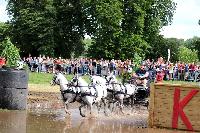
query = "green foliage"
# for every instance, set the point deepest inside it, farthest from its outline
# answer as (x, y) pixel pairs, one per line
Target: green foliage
(137, 60)
(187, 55)
(106, 17)
(3, 31)
(87, 42)
(126, 77)
(51, 27)
(10, 53)
(160, 46)
(194, 44)
(125, 27)
(32, 26)
(119, 29)
(69, 30)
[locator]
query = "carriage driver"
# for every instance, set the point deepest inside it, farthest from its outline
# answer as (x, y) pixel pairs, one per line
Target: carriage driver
(141, 75)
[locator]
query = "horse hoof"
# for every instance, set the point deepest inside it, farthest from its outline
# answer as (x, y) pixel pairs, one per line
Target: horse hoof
(68, 113)
(82, 115)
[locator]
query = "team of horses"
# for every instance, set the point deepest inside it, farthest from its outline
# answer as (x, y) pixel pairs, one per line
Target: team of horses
(104, 91)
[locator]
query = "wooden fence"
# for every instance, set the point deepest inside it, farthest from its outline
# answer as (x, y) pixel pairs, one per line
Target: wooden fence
(175, 106)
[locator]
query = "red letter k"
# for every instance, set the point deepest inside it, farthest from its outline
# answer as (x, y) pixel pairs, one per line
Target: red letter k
(178, 108)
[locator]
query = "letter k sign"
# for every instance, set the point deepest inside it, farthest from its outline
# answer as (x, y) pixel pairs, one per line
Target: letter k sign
(178, 108)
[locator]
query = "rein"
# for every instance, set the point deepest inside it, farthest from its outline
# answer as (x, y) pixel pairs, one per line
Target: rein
(83, 86)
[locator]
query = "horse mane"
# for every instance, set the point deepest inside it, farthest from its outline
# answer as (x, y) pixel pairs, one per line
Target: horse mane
(114, 78)
(63, 80)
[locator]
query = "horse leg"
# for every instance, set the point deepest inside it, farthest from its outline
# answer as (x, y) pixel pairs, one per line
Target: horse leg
(104, 102)
(82, 105)
(98, 104)
(67, 108)
(114, 103)
(132, 101)
(121, 105)
(90, 108)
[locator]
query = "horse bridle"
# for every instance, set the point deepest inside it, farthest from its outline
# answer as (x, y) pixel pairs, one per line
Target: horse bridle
(77, 84)
(54, 80)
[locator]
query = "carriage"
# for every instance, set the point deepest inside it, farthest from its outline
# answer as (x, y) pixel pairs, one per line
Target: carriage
(142, 93)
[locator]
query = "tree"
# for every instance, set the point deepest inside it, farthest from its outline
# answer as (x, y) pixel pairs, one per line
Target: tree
(32, 26)
(51, 27)
(126, 27)
(69, 31)
(187, 55)
(194, 44)
(161, 45)
(118, 28)
(106, 17)
(10, 53)
(3, 30)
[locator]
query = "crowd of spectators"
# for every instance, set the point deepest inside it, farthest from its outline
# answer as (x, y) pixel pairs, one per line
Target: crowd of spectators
(171, 71)
(80, 66)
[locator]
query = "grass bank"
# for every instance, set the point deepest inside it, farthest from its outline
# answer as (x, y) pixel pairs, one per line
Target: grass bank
(40, 82)
(45, 78)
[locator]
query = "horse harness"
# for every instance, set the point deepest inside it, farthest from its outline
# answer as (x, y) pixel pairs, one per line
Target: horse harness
(69, 91)
(87, 93)
(118, 92)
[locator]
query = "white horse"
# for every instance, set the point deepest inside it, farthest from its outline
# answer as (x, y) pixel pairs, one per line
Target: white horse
(98, 80)
(69, 93)
(123, 92)
(89, 94)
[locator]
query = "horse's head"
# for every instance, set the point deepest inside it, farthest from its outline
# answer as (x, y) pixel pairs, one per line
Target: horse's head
(74, 81)
(98, 80)
(111, 79)
(55, 80)
(58, 79)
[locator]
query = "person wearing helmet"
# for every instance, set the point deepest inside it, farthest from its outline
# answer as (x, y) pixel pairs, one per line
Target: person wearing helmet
(141, 75)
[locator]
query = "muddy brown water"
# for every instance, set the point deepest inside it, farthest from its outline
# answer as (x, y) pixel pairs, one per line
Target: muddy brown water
(46, 114)
(56, 121)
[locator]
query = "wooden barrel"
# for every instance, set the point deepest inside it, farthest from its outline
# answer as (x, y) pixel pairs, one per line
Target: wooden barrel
(13, 89)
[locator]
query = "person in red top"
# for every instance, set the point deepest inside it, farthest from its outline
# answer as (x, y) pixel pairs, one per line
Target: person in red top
(58, 64)
(181, 67)
(159, 76)
(2, 62)
(192, 69)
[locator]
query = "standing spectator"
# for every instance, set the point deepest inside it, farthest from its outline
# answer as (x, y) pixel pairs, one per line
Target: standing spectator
(186, 71)
(181, 68)
(40, 60)
(104, 65)
(44, 62)
(35, 65)
(159, 76)
(75, 67)
(94, 67)
(171, 71)
(112, 66)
